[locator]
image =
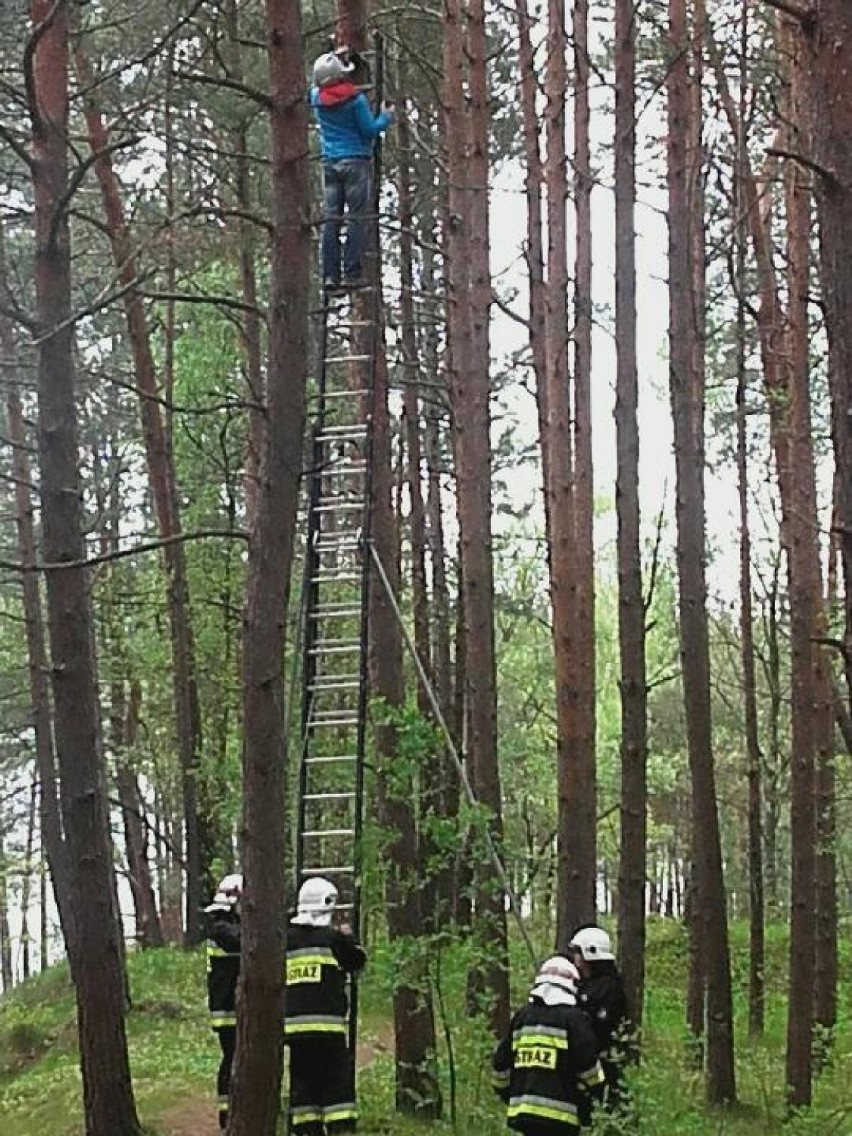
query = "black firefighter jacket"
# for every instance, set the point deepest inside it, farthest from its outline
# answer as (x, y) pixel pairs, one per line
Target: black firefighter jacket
(223, 966)
(319, 959)
(547, 1069)
(602, 998)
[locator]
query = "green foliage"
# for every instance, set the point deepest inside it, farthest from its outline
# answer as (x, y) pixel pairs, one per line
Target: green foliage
(174, 1054)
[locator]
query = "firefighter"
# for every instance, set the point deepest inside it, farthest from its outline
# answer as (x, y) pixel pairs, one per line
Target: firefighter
(223, 969)
(348, 129)
(546, 1069)
(320, 957)
(602, 997)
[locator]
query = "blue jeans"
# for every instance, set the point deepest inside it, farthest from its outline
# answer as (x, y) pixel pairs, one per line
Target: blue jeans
(346, 183)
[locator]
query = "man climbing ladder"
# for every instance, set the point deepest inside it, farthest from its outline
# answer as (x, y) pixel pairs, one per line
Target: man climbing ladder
(348, 130)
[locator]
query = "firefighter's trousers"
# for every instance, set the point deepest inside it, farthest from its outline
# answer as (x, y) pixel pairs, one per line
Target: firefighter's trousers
(228, 1041)
(322, 1086)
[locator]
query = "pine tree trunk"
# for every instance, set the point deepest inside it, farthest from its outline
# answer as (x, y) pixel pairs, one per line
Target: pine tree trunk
(585, 804)
(469, 294)
(754, 758)
(535, 248)
(50, 821)
(149, 930)
(165, 497)
(257, 1073)
(27, 885)
(6, 974)
(96, 956)
(803, 484)
(631, 605)
(831, 63)
(709, 915)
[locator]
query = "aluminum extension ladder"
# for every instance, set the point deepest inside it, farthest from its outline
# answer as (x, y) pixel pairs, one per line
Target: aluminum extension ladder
(337, 563)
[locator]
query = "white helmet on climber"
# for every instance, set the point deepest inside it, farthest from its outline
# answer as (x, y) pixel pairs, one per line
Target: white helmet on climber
(316, 903)
(331, 68)
(594, 944)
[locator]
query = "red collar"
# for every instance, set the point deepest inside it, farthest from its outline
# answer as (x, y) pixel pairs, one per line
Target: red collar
(337, 93)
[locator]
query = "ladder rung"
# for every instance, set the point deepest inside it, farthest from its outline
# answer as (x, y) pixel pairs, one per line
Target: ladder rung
(336, 578)
(334, 687)
(353, 545)
(335, 613)
(329, 832)
(347, 507)
(325, 643)
(346, 324)
(340, 433)
(327, 723)
(340, 394)
(347, 757)
(342, 467)
(329, 796)
(347, 358)
(337, 717)
(348, 870)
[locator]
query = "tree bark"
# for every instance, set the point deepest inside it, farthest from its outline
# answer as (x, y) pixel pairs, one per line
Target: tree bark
(50, 819)
(686, 331)
(96, 957)
(585, 803)
(631, 606)
(756, 986)
(6, 974)
(831, 62)
(469, 293)
(257, 1072)
(165, 496)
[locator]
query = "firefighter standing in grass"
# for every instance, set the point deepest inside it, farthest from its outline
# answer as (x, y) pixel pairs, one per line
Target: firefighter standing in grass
(319, 959)
(602, 998)
(223, 970)
(546, 1069)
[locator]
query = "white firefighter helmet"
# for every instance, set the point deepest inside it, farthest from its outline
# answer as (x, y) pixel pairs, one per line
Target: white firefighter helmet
(317, 900)
(557, 971)
(228, 893)
(594, 944)
(331, 68)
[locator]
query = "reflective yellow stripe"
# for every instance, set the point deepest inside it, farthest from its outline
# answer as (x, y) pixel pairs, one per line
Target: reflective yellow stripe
(339, 1112)
(543, 1111)
(593, 1076)
(222, 1020)
(307, 1114)
(554, 1040)
(314, 1027)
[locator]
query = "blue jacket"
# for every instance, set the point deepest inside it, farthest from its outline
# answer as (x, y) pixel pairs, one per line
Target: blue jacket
(347, 129)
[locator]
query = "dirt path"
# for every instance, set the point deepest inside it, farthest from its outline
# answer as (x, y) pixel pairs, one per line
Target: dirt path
(191, 1118)
(198, 1117)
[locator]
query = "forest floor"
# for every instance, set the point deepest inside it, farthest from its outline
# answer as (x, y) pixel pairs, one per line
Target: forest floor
(174, 1055)
(194, 1117)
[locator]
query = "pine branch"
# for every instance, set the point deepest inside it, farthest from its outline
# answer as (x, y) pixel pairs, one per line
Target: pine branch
(804, 160)
(243, 89)
(200, 298)
(805, 16)
(123, 553)
(17, 147)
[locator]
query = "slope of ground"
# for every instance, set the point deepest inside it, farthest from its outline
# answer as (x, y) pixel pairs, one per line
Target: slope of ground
(174, 1054)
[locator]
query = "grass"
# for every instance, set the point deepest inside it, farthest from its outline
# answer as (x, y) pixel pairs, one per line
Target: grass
(174, 1055)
